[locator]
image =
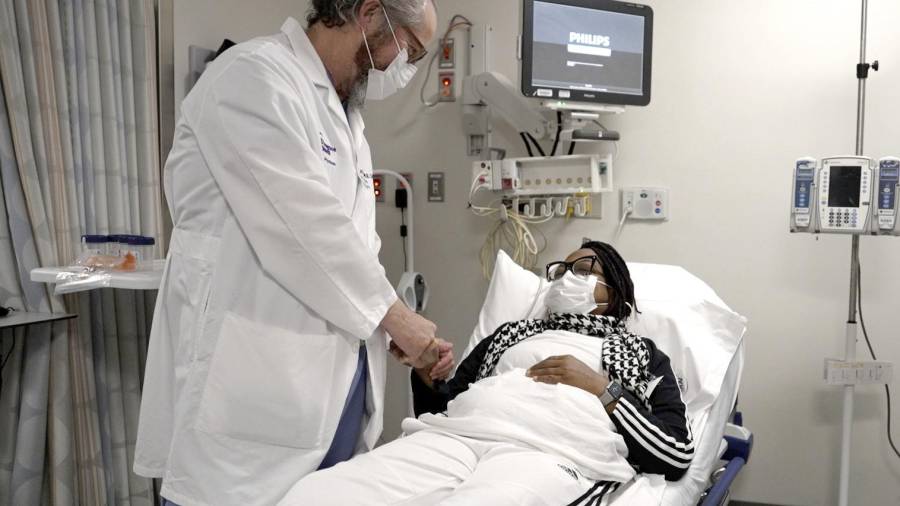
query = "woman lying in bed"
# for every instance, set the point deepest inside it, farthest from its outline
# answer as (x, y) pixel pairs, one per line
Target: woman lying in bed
(546, 412)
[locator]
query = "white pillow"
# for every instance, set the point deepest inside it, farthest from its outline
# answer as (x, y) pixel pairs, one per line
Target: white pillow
(679, 312)
(514, 294)
(691, 324)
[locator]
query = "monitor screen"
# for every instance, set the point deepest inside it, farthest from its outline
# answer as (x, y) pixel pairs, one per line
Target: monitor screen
(844, 186)
(593, 51)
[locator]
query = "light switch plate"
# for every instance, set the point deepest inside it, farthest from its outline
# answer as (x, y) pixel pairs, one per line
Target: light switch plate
(436, 187)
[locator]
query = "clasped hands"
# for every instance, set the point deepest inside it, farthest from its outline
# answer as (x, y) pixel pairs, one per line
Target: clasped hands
(413, 343)
(435, 364)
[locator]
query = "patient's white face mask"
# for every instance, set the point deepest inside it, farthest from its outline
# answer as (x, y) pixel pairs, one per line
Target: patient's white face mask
(573, 294)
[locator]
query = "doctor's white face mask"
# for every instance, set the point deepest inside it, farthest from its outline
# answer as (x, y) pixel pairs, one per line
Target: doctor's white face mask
(573, 294)
(384, 83)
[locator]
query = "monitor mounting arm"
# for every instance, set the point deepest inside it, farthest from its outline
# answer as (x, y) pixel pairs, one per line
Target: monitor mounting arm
(490, 93)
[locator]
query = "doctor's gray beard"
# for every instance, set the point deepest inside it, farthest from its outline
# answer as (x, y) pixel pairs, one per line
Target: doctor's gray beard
(357, 96)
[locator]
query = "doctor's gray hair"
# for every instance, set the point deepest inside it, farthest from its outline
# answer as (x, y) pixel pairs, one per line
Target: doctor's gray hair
(332, 13)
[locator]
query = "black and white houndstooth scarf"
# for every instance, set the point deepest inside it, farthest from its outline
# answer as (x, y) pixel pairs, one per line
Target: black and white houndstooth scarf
(625, 356)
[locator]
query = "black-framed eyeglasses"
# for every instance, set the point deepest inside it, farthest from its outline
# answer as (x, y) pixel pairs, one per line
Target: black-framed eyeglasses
(418, 52)
(584, 266)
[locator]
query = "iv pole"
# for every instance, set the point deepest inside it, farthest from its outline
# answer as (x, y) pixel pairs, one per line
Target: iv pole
(862, 73)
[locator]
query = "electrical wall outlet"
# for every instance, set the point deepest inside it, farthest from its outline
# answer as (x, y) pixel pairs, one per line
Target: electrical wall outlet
(645, 203)
(409, 177)
(447, 87)
(401, 196)
(448, 55)
(378, 188)
(840, 372)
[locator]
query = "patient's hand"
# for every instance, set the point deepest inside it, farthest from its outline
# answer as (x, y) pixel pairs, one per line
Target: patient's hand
(439, 365)
(444, 366)
(569, 371)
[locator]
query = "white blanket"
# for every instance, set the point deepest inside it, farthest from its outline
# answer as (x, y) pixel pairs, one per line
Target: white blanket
(557, 419)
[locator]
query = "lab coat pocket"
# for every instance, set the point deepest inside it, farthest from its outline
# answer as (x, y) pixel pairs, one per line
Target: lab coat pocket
(267, 385)
(187, 293)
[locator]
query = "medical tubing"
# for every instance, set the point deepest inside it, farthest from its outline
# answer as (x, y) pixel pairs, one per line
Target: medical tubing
(512, 228)
(515, 232)
(621, 226)
(887, 388)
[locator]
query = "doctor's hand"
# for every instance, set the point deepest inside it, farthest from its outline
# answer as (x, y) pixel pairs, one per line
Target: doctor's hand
(436, 371)
(413, 335)
(568, 370)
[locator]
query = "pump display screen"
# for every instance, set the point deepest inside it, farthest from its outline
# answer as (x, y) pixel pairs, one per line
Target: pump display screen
(595, 51)
(844, 186)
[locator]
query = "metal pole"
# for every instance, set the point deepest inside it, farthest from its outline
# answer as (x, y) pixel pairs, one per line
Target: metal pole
(851, 334)
(861, 94)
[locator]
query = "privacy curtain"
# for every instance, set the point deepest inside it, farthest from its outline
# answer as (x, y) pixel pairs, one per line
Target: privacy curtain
(78, 155)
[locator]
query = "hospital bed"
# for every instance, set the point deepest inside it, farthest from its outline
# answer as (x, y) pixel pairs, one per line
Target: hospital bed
(704, 340)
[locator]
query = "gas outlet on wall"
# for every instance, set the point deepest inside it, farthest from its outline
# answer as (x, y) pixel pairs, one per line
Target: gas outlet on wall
(646, 203)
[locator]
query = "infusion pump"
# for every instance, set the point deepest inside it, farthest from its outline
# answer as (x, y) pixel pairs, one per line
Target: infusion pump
(846, 195)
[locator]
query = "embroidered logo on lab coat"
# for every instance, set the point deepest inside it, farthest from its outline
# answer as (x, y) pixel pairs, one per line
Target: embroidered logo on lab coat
(328, 151)
(365, 178)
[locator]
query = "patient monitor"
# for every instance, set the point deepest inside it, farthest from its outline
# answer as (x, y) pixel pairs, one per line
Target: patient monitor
(594, 51)
(580, 59)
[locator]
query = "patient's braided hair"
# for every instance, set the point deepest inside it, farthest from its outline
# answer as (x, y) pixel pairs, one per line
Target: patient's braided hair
(615, 270)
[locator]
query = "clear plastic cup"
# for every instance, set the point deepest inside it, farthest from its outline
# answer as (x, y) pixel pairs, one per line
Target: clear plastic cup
(115, 244)
(94, 252)
(143, 248)
(135, 253)
(94, 244)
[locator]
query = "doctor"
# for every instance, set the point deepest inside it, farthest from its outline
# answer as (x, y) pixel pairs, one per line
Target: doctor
(268, 347)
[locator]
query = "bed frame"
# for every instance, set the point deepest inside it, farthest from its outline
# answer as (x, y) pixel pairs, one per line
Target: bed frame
(736, 455)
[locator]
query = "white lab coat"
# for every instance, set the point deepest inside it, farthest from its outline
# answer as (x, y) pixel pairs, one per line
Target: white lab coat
(271, 281)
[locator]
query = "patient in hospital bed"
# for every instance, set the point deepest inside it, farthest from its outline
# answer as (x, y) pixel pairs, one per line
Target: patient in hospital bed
(555, 411)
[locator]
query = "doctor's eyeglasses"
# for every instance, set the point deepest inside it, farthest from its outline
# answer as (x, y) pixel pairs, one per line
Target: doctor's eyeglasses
(415, 49)
(584, 266)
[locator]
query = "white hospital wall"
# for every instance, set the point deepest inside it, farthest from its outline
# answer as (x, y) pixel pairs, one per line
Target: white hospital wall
(740, 89)
(206, 23)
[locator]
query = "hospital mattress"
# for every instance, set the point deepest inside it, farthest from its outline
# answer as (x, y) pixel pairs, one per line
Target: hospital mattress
(708, 428)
